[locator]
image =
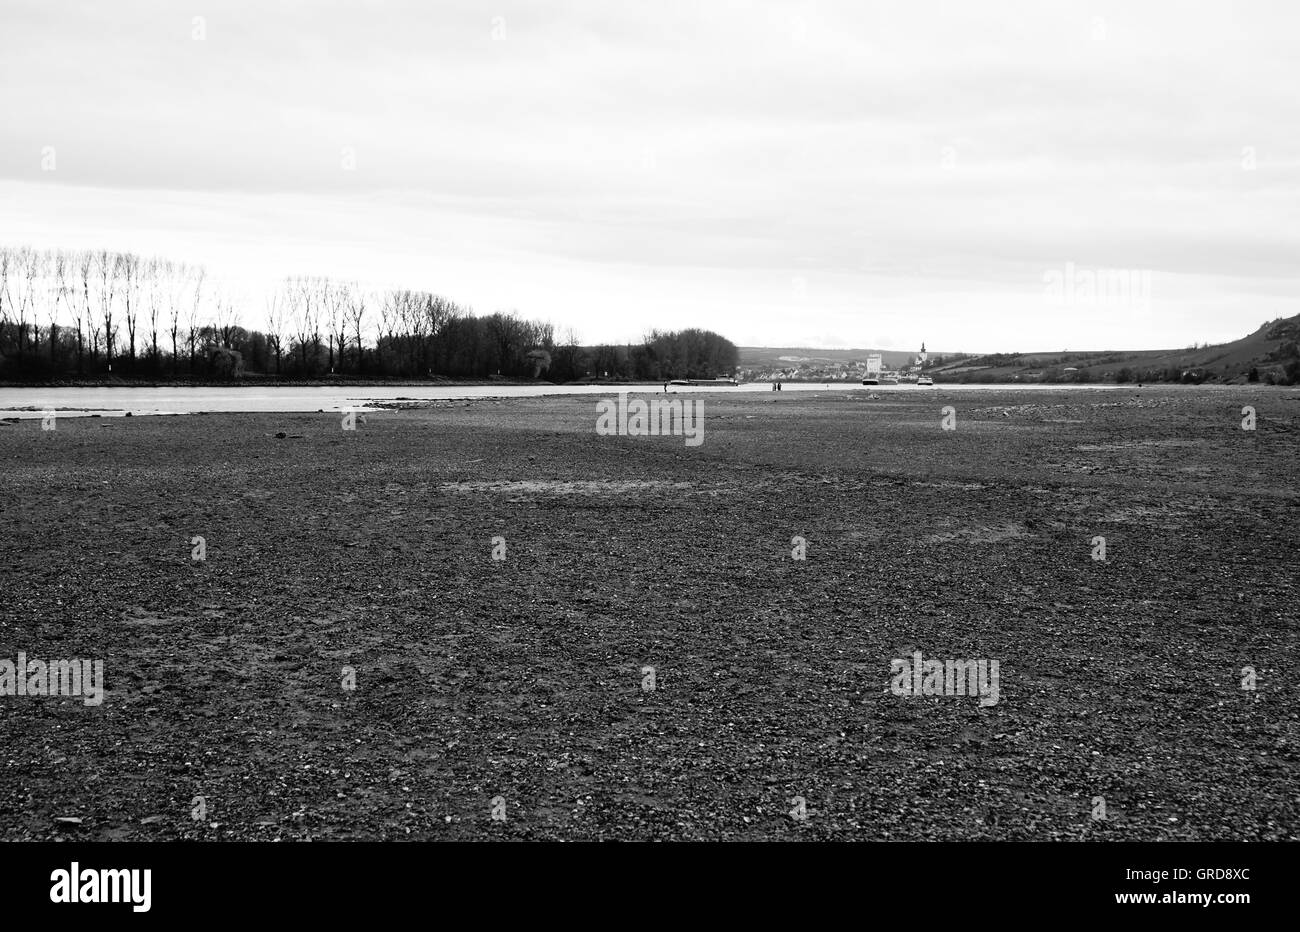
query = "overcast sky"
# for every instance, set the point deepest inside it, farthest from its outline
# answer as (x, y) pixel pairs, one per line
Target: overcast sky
(788, 174)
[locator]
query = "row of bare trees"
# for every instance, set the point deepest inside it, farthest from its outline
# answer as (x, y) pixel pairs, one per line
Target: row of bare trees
(100, 308)
(99, 313)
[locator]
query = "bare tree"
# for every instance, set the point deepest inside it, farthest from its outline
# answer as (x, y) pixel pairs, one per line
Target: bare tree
(339, 301)
(84, 313)
(317, 286)
(28, 266)
(225, 317)
(10, 273)
(193, 307)
(390, 315)
(438, 312)
(304, 292)
(415, 319)
(505, 331)
(155, 270)
(276, 303)
(177, 286)
(36, 284)
(56, 290)
(331, 304)
(106, 267)
(356, 313)
(567, 354)
(5, 262)
(128, 270)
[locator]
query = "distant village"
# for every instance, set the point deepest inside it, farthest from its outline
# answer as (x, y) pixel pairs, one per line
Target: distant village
(822, 370)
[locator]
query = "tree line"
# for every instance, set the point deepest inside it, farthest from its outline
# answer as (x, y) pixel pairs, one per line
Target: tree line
(100, 314)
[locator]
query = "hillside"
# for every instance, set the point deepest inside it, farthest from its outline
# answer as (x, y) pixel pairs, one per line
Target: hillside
(1270, 354)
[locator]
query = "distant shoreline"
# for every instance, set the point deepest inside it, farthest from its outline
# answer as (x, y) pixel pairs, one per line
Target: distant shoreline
(258, 384)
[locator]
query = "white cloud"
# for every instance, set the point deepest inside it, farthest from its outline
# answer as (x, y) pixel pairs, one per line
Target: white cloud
(619, 166)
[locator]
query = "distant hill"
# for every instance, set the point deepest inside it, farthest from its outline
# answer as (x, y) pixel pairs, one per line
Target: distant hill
(1270, 354)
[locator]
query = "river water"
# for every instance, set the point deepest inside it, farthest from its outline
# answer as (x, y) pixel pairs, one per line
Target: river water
(117, 401)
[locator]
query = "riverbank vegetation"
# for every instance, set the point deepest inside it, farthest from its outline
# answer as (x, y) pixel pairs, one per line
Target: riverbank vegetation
(104, 316)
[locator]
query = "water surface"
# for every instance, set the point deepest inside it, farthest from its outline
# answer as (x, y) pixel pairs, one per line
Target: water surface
(117, 401)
